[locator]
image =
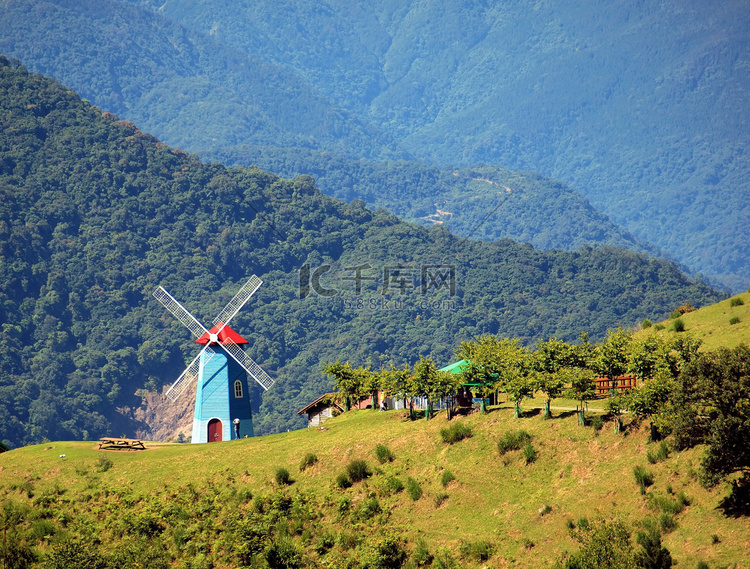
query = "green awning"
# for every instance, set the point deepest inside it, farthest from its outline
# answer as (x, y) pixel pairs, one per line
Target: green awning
(458, 367)
(455, 368)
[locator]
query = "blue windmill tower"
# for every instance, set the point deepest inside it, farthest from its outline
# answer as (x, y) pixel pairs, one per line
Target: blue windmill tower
(220, 370)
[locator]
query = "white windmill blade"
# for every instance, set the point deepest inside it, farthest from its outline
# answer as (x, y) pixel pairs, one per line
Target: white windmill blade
(179, 312)
(189, 375)
(239, 300)
(263, 379)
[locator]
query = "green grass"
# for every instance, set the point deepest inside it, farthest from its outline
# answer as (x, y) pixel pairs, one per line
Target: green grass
(724, 324)
(575, 474)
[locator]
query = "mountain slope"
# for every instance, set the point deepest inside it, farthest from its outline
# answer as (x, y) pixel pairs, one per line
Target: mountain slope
(190, 91)
(95, 214)
(220, 502)
(181, 85)
(485, 202)
(642, 108)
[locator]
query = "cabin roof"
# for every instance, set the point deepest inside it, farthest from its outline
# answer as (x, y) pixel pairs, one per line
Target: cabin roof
(326, 398)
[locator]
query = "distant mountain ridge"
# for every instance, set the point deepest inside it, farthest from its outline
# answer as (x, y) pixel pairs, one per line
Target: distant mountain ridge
(183, 85)
(643, 108)
(484, 202)
(94, 214)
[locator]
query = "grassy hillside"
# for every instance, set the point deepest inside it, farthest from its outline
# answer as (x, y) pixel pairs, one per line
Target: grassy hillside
(724, 324)
(189, 499)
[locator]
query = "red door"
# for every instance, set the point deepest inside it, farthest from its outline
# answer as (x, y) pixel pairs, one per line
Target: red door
(214, 430)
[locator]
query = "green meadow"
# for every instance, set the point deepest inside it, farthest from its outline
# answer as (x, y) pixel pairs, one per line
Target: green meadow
(495, 510)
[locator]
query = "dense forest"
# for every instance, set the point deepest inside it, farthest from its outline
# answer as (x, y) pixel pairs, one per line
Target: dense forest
(641, 108)
(96, 213)
(484, 202)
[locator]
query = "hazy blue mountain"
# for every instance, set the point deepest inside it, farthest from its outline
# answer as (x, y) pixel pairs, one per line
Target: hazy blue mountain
(483, 202)
(181, 85)
(642, 107)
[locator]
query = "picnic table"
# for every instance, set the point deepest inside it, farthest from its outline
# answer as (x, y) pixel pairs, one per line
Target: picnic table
(112, 443)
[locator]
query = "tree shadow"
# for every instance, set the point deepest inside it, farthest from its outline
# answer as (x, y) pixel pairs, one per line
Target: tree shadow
(529, 413)
(737, 504)
(563, 414)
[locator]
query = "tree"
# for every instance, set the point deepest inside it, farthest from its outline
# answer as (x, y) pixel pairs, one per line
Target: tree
(432, 383)
(611, 359)
(516, 377)
(482, 365)
(445, 385)
(711, 405)
(604, 544)
(371, 383)
(497, 363)
(549, 358)
(646, 356)
(582, 388)
(615, 407)
(351, 382)
(396, 382)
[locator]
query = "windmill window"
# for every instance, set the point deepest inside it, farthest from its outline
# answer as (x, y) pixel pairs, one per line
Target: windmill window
(238, 389)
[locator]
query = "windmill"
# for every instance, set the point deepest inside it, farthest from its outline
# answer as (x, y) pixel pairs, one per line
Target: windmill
(219, 370)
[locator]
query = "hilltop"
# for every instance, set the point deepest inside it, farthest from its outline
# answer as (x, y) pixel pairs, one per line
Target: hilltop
(725, 324)
(216, 504)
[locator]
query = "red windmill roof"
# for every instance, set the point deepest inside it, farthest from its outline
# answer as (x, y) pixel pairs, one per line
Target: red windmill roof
(225, 333)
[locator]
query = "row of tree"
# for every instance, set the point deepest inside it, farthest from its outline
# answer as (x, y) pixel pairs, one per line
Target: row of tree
(553, 367)
(697, 397)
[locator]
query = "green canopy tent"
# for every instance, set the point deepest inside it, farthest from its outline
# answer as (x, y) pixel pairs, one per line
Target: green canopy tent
(457, 368)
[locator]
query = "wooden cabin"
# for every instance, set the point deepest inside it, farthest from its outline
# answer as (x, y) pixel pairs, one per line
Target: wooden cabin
(322, 409)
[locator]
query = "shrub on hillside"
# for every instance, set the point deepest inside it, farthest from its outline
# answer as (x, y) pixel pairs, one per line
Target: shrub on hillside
(643, 478)
(455, 432)
(476, 550)
(446, 478)
(596, 422)
(529, 453)
(309, 460)
(357, 470)
(413, 489)
(282, 477)
(512, 440)
(383, 454)
(440, 497)
(342, 481)
(393, 485)
(736, 301)
(658, 454)
(678, 325)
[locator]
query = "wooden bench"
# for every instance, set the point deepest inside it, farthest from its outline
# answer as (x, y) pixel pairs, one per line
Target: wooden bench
(111, 443)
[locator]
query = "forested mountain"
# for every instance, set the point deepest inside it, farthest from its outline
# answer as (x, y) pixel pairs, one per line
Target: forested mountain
(134, 72)
(643, 108)
(187, 88)
(94, 214)
(484, 202)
